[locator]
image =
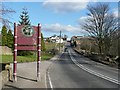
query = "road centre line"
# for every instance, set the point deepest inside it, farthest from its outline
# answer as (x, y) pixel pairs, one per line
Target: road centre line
(93, 72)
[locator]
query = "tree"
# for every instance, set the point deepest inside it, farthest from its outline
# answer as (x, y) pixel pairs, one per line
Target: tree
(4, 36)
(10, 39)
(7, 38)
(24, 18)
(42, 43)
(101, 25)
(4, 15)
(74, 44)
(65, 37)
(119, 47)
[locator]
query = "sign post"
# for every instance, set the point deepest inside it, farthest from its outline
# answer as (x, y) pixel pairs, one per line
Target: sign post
(15, 53)
(38, 52)
(27, 38)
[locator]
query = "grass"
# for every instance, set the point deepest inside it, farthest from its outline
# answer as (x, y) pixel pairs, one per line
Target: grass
(44, 55)
(9, 58)
(51, 45)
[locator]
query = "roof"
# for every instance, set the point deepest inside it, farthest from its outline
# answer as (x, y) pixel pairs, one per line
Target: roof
(80, 37)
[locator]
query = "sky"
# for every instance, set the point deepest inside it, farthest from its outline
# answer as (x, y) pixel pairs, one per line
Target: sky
(56, 16)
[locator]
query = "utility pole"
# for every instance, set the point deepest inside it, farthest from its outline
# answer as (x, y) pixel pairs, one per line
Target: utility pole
(60, 42)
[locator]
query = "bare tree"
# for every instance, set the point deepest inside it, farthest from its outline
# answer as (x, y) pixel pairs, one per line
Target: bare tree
(101, 24)
(4, 17)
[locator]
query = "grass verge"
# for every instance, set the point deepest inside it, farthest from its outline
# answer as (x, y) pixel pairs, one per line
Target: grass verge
(45, 55)
(9, 58)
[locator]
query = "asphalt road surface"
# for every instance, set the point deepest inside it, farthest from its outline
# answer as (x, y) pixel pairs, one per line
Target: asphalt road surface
(75, 71)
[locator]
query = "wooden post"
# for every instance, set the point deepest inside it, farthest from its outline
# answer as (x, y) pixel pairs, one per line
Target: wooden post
(38, 52)
(15, 53)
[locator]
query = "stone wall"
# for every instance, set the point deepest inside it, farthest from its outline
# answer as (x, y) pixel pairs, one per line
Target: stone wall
(3, 78)
(5, 75)
(4, 50)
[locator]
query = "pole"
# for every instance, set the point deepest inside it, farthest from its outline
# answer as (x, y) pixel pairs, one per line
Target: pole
(38, 52)
(15, 53)
(60, 42)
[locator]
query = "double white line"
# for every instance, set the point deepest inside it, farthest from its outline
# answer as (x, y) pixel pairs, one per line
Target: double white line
(93, 72)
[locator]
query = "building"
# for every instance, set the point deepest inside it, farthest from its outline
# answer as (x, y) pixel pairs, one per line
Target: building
(54, 39)
(76, 39)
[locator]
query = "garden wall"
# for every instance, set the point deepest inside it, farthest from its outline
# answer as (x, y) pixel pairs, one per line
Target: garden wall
(5, 50)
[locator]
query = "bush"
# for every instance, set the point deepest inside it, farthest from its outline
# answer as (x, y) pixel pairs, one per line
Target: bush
(52, 51)
(25, 53)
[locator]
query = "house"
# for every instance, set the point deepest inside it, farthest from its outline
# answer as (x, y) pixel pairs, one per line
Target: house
(56, 39)
(76, 39)
(79, 39)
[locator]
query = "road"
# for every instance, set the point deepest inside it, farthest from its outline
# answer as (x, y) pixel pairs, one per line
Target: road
(75, 71)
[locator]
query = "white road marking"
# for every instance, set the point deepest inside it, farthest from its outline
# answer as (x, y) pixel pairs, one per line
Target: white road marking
(45, 81)
(51, 86)
(99, 63)
(93, 72)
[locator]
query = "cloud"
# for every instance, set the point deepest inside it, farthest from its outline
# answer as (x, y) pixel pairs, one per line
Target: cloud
(60, 0)
(54, 28)
(22, 0)
(66, 6)
(82, 19)
(115, 12)
(59, 6)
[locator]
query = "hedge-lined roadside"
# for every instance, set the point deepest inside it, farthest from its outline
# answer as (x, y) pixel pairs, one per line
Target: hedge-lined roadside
(98, 58)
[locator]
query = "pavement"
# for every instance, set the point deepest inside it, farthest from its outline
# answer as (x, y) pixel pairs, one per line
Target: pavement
(27, 75)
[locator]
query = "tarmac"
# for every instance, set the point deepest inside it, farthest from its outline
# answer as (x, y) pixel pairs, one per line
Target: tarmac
(27, 76)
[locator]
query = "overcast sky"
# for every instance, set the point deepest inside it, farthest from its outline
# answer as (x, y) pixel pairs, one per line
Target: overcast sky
(56, 16)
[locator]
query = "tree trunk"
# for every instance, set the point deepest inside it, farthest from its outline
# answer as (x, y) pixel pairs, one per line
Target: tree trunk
(100, 49)
(119, 47)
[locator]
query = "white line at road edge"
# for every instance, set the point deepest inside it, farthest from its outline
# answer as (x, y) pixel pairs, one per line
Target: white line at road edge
(93, 72)
(51, 86)
(49, 79)
(45, 81)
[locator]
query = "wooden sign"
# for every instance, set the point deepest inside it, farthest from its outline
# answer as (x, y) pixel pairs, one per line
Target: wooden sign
(27, 37)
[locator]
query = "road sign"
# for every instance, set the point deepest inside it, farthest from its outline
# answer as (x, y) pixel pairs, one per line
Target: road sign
(27, 37)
